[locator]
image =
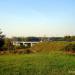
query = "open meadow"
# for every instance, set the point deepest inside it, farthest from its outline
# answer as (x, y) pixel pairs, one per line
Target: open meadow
(53, 63)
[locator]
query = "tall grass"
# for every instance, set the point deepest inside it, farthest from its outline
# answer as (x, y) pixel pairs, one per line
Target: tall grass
(54, 63)
(50, 46)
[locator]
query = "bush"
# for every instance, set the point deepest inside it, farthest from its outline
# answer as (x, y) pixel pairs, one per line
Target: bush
(70, 47)
(1, 43)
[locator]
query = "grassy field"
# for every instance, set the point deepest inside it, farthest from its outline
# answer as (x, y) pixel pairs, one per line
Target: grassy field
(53, 63)
(50, 46)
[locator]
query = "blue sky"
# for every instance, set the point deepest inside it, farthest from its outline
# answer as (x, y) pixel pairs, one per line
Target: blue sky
(37, 17)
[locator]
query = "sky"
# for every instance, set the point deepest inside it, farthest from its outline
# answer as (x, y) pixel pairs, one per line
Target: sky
(37, 17)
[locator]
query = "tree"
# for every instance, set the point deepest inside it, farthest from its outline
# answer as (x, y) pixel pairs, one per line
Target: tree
(19, 39)
(73, 38)
(67, 38)
(33, 39)
(8, 44)
(1, 40)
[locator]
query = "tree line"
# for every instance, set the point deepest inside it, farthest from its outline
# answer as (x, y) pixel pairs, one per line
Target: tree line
(7, 43)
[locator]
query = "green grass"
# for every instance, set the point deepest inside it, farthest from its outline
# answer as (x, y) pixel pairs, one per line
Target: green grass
(54, 63)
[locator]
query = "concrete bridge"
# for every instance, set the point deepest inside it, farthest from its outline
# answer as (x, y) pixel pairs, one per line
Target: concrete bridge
(26, 44)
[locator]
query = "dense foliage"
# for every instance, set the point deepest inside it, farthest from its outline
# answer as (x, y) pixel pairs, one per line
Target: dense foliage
(1, 40)
(70, 47)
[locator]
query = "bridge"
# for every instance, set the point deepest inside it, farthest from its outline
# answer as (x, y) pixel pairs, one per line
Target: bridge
(26, 44)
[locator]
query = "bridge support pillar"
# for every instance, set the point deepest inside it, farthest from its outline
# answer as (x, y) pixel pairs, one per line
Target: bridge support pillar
(31, 44)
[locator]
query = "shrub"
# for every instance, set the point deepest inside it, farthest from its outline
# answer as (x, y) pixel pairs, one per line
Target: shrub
(70, 47)
(1, 43)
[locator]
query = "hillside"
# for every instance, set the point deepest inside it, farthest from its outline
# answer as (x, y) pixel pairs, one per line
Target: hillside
(49, 46)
